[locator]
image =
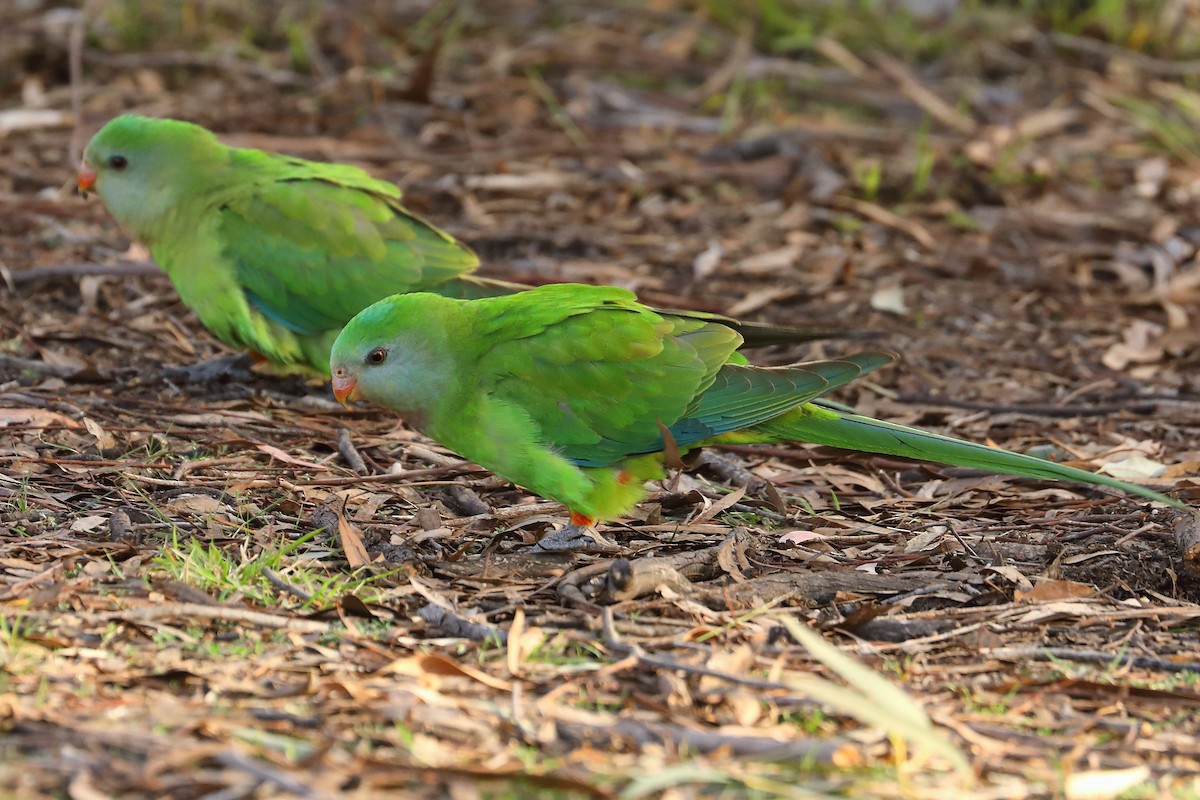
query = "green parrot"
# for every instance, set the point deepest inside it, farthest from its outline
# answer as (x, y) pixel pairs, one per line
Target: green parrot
(578, 392)
(274, 253)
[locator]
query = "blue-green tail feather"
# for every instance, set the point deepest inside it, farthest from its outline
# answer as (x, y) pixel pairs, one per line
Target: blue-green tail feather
(854, 432)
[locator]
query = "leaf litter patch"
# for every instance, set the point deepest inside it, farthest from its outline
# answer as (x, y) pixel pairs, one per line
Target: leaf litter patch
(237, 588)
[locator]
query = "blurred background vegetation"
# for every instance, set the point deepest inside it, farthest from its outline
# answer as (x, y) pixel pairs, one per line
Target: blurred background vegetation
(384, 49)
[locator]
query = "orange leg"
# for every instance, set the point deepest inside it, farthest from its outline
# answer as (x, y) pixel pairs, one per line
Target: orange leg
(581, 520)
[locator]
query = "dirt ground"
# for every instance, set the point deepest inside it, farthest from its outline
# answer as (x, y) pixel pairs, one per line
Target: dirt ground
(201, 597)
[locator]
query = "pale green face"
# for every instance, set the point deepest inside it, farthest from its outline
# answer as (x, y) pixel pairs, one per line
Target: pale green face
(396, 353)
(143, 167)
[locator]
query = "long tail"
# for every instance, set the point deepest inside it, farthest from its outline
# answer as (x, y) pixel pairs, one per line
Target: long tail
(816, 425)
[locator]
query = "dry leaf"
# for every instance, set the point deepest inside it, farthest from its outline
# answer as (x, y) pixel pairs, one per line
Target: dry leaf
(279, 455)
(1103, 784)
(1012, 574)
(429, 666)
(1051, 590)
(716, 508)
(196, 504)
(889, 299)
(924, 540)
(88, 523)
(773, 261)
(24, 119)
(1134, 468)
(1141, 344)
(1080, 558)
(707, 262)
(104, 440)
(35, 418)
(799, 537)
(351, 540)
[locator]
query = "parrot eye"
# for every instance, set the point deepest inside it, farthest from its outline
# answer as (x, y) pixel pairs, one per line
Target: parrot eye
(118, 162)
(377, 356)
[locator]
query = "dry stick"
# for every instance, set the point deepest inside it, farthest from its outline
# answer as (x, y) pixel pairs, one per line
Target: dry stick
(85, 736)
(284, 585)
(467, 500)
(658, 662)
(828, 752)
(938, 108)
(184, 593)
(346, 448)
(390, 477)
(34, 365)
(378, 777)
(215, 613)
(452, 623)
(1148, 64)
(266, 773)
(84, 462)
(508, 514)
(876, 213)
(727, 469)
(1090, 657)
(79, 269)
(75, 66)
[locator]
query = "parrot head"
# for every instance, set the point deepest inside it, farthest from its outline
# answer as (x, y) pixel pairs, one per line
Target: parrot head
(142, 167)
(397, 353)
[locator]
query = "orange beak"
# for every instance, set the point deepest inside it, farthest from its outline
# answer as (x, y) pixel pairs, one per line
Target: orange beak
(87, 178)
(345, 388)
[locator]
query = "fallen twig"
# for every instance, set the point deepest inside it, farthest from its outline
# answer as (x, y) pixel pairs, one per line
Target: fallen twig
(452, 623)
(827, 752)
(938, 108)
(1147, 64)
(214, 613)
(80, 269)
(1117, 659)
(346, 447)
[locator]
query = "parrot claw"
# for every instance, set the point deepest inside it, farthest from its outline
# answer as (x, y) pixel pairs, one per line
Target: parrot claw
(231, 367)
(575, 537)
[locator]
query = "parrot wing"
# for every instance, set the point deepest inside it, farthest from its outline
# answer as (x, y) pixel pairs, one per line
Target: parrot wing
(603, 375)
(597, 371)
(311, 253)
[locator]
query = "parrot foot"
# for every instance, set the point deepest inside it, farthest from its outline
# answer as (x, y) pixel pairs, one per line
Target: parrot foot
(575, 537)
(236, 367)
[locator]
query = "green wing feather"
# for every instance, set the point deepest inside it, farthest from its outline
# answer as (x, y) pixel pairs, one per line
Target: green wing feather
(317, 243)
(603, 374)
(745, 396)
(599, 371)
